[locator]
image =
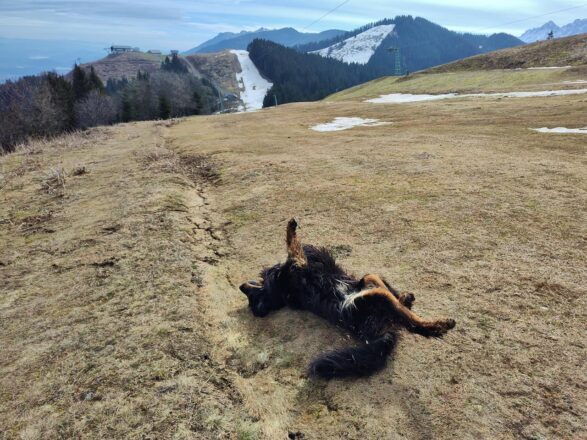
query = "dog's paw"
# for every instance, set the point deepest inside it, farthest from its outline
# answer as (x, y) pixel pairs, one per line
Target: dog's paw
(437, 329)
(407, 299)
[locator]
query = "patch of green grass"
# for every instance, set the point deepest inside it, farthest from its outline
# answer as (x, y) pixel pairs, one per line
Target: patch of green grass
(248, 431)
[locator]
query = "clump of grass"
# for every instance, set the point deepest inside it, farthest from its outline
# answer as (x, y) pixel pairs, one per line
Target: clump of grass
(199, 167)
(54, 182)
(35, 223)
(79, 171)
(248, 431)
(340, 250)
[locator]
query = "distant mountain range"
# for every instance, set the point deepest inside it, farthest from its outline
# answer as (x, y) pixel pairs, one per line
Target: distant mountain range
(577, 27)
(286, 37)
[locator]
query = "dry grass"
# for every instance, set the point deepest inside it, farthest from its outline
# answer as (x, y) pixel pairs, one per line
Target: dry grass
(466, 82)
(220, 67)
(125, 65)
(457, 201)
(126, 320)
(568, 51)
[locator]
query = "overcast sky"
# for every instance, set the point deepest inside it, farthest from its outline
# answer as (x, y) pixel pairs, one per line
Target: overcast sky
(183, 24)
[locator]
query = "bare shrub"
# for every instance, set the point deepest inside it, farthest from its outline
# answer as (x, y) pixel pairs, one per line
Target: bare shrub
(95, 109)
(54, 182)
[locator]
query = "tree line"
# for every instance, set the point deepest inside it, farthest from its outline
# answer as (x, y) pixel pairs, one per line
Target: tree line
(49, 104)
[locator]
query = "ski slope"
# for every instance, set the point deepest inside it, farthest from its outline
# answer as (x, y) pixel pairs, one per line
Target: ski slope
(360, 48)
(253, 87)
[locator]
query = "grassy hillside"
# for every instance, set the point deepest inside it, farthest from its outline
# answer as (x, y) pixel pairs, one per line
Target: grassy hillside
(547, 65)
(219, 67)
(569, 51)
(127, 65)
(121, 250)
(480, 81)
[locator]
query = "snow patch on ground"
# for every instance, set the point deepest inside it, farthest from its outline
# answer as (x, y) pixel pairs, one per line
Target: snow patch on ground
(543, 68)
(561, 130)
(400, 98)
(253, 87)
(360, 48)
(342, 123)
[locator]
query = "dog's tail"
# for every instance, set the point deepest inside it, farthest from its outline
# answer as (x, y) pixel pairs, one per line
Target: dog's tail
(362, 360)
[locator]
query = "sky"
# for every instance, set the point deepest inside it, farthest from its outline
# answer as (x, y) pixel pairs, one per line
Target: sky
(183, 24)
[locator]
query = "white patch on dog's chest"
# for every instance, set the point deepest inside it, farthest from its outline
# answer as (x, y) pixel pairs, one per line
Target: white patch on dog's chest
(349, 301)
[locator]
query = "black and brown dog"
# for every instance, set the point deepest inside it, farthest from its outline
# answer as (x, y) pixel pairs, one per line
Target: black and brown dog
(368, 307)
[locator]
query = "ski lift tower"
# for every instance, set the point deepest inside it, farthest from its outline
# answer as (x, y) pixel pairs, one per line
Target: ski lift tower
(397, 63)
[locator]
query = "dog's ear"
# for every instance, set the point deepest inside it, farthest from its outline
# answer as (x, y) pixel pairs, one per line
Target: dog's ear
(250, 287)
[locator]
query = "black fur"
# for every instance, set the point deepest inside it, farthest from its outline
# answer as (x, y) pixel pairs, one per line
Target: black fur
(322, 286)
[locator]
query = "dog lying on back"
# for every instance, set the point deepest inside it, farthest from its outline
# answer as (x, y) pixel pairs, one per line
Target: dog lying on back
(369, 307)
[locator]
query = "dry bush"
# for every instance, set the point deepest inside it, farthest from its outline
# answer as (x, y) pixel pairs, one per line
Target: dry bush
(95, 109)
(54, 182)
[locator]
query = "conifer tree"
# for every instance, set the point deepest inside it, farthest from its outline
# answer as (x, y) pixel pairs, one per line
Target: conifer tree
(164, 107)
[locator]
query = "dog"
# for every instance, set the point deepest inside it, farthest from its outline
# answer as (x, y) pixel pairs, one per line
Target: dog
(369, 308)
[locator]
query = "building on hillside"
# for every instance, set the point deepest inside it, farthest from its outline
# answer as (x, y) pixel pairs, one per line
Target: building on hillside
(120, 49)
(136, 49)
(154, 52)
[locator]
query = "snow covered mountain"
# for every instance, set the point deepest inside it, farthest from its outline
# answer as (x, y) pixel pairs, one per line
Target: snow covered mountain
(577, 27)
(360, 48)
(253, 87)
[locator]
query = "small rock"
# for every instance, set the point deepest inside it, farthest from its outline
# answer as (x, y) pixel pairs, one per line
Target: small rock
(90, 396)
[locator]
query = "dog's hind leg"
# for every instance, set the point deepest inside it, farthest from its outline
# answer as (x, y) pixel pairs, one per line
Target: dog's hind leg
(415, 323)
(407, 299)
(295, 252)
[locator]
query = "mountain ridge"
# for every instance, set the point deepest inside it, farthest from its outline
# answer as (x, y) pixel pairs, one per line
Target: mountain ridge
(422, 44)
(286, 36)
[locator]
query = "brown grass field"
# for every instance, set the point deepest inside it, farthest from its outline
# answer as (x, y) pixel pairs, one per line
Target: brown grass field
(121, 250)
